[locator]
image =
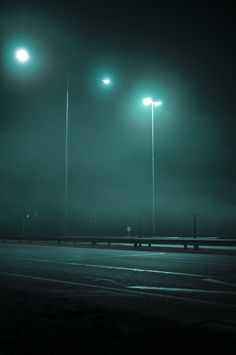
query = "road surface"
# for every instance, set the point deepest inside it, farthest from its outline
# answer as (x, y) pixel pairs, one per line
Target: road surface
(181, 286)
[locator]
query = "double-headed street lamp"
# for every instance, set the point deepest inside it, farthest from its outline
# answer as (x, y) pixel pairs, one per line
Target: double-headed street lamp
(147, 102)
(105, 81)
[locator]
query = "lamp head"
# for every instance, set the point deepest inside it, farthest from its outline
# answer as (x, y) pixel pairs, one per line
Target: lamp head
(147, 101)
(106, 81)
(157, 103)
(22, 55)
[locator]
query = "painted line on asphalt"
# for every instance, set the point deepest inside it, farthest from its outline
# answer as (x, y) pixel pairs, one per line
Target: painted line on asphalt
(64, 282)
(142, 253)
(174, 289)
(98, 279)
(225, 283)
(136, 270)
(116, 268)
(203, 262)
(204, 277)
(147, 254)
(113, 289)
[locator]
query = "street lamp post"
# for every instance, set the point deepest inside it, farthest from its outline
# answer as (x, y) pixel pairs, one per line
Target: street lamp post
(66, 156)
(148, 101)
(24, 224)
(105, 81)
(23, 56)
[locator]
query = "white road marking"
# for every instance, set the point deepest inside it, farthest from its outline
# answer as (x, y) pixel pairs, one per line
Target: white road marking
(204, 277)
(117, 268)
(144, 254)
(220, 282)
(173, 289)
(106, 280)
(113, 289)
(136, 270)
(202, 262)
(72, 283)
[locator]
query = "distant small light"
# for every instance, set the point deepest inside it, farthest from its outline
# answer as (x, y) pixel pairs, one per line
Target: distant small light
(157, 103)
(147, 101)
(22, 55)
(106, 81)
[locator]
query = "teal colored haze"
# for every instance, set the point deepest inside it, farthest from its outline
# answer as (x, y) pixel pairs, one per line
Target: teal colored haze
(183, 56)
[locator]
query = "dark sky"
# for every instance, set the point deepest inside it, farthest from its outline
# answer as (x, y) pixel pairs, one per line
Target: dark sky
(182, 53)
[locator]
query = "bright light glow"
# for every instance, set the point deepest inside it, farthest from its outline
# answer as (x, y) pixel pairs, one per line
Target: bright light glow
(157, 103)
(106, 81)
(147, 101)
(22, 55)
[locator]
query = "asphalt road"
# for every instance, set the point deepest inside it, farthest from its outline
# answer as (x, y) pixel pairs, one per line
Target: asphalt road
(180, 286)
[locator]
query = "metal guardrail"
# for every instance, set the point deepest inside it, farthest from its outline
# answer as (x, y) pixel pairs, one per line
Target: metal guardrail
(136, 241)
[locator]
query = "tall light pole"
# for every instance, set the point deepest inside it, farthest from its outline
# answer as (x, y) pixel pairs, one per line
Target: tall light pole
(26, 217)
(147, 102)
(105, 81)
(22, 55)
(66, 156)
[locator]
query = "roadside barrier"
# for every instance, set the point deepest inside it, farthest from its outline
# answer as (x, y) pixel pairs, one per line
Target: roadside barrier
(135, 241)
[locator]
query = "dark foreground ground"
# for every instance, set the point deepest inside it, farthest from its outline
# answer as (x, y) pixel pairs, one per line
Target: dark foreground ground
(32, 324)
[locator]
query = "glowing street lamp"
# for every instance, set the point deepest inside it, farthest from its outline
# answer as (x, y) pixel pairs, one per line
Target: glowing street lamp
(22, 55)
(147, 102)
(105, 81)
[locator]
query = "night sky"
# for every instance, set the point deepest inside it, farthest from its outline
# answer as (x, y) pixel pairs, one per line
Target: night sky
(182, 53)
